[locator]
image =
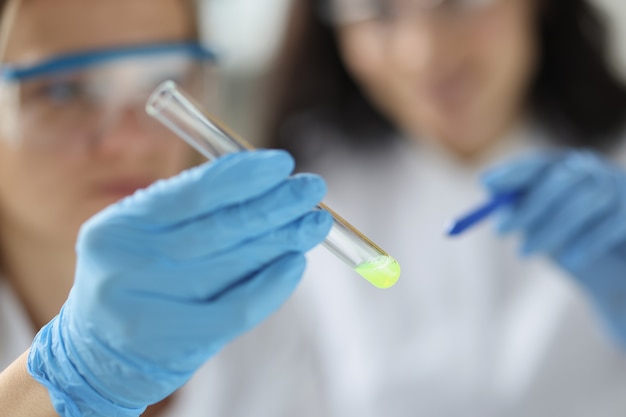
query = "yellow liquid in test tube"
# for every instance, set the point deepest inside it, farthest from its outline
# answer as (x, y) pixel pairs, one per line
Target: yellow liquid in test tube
(382, 272)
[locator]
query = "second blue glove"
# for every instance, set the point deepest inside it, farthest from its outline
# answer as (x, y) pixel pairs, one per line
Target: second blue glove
(574, 210)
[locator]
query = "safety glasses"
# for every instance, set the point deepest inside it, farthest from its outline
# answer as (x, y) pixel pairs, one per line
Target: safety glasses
(343, 12)
(72, 100)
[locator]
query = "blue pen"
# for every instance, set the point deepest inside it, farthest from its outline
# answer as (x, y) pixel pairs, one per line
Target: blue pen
(475, 216)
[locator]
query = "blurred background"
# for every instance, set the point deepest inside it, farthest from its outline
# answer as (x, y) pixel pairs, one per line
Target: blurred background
(250, 33)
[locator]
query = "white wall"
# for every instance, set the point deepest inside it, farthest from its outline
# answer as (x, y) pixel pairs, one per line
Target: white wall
(248, 31)
(615, 11)
(246, 34)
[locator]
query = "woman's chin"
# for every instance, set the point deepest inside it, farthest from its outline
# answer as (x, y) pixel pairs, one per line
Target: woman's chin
(461, 140)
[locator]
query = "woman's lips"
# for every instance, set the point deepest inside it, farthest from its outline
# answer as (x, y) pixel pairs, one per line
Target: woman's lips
(124, 187)
(451, 93)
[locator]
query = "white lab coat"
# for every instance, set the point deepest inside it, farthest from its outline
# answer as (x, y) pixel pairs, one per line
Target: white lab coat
(469, 330)
(16, 331)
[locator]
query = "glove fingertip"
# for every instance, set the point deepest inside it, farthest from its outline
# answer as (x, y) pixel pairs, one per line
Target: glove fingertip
(280, 159)
(574, 257)
(503, 179)
(325, 220)
(257, 163)
(322, 223)
(516, 174)
(313, 185)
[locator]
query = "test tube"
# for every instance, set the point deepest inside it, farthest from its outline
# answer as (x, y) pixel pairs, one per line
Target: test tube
(181, 114)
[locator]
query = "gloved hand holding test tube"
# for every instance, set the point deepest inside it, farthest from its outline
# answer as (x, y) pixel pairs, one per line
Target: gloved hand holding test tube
(178, 111)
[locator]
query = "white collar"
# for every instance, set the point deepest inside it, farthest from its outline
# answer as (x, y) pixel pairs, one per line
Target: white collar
(16, 330)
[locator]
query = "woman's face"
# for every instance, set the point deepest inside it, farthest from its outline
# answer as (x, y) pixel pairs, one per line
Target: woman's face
(48, 194)
(460, 79)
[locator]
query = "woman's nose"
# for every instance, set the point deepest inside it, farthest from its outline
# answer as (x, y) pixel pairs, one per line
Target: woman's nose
(126, 130)
(421, 43)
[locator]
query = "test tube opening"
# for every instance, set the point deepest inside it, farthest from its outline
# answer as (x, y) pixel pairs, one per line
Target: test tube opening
(159, 99)
(175, 110)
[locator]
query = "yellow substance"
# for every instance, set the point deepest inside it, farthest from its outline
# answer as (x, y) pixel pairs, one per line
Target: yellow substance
(382, 272)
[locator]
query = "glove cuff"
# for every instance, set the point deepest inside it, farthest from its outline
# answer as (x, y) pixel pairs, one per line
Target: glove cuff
(51, 364)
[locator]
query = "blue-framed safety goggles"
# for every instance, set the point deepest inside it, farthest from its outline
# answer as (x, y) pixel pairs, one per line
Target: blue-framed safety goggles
(72, 97)
(342, 12)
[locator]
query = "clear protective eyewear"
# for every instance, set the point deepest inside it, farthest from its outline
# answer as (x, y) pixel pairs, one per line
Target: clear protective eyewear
(344, 12)
(72, 100)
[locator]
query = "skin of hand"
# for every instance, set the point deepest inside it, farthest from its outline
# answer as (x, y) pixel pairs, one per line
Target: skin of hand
(21, 395)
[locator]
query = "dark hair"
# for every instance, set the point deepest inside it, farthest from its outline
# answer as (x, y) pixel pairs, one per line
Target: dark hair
(576, 95)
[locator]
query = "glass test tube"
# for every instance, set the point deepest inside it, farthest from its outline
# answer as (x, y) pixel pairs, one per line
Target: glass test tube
(178, 111)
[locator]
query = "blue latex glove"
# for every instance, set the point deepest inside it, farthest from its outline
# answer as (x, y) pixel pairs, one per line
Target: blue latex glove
(168, 276)
(574, 210)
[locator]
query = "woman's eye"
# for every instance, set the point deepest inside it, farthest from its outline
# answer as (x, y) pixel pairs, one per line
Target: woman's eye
(62, 92)
(390, 9)
(382, 8)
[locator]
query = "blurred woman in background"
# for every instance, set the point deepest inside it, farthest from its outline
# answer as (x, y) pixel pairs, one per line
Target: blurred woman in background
(403, 106)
